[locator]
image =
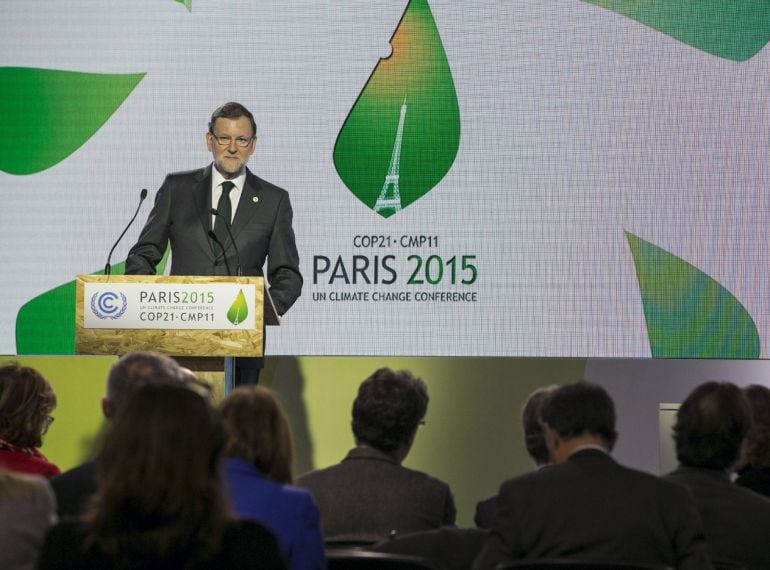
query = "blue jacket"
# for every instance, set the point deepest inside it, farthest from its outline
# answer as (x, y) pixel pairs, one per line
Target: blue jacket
(290, 512)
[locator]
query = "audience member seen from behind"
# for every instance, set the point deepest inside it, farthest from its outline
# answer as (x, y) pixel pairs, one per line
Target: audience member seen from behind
(26, 513)
(587, 507)
(370, 495)
(131, 372)
(534, 441)
(258, 472)
(159, 501)
(711, 426)
(753, 467)
(26, 402)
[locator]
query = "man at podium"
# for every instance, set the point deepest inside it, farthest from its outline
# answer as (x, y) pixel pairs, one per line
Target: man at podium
(224, 220)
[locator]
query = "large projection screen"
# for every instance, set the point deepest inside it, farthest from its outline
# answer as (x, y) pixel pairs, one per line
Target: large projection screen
(524, 178)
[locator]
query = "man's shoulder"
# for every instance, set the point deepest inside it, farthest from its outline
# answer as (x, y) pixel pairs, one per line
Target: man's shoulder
(262, 185)
(355, 466)
(590, 467)
(424, 478)
(317, 475)
(195, 173)
(708, 482)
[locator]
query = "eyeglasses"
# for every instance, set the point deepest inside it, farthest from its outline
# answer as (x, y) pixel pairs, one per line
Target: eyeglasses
(47, 423)
(241, 142)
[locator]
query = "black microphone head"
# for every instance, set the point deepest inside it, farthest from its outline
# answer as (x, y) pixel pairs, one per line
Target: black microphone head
(214, 212)
(143, 194)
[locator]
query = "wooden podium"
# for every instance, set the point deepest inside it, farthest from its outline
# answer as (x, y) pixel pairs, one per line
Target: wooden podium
(201, 321)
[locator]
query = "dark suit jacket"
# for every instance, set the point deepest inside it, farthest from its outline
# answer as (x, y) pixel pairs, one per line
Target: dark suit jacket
(592, 508)
(485, 512)
(736, 520)
(246, 545)
(755, 478)
(369, 496)
(261, 229)
(73, 488)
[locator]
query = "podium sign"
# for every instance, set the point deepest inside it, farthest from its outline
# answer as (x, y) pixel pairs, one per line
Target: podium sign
(179, 316)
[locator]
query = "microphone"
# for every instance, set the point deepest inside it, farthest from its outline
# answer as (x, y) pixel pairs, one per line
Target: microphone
(215, 212)
(213, 236)
(142, 196)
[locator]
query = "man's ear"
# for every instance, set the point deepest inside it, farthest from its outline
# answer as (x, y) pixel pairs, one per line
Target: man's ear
(107, 408)
(743, 455)
(552, 440)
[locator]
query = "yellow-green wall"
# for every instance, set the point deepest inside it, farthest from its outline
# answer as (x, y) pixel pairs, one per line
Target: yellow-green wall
(471, 439)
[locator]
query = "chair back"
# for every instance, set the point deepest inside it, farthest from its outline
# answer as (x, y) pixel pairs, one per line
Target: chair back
(360, 559)
(725, 565)
(577, 565)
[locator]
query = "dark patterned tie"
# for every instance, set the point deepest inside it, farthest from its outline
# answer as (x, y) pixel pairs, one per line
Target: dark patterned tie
(225, 210)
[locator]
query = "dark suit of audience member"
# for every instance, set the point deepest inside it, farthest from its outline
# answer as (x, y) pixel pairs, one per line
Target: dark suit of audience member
(446, 548)
(709, 431)
(755, 479)
(370, 495)
(258, 473)
(534, 441)
(244, 545)
(75, 487)
(588, 507)
(753, 467)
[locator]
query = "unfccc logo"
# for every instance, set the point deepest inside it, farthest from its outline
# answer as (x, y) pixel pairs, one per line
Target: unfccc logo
(108, 305)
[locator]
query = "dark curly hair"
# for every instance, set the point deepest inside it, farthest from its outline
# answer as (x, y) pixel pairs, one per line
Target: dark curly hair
(389, 407)
(710, 426)
(26, 400)
(759, 434)
(580, 408)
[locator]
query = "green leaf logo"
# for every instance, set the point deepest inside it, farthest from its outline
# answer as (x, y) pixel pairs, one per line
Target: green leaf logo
(401, 136)
(689, 314)
(187, 4)
(239, 310)
(46, 114)
(734, 30)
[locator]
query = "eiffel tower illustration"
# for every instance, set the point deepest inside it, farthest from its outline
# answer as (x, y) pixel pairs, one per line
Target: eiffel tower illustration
(390, 197)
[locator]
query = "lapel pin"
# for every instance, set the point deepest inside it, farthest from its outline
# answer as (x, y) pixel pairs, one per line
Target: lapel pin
(255, 199)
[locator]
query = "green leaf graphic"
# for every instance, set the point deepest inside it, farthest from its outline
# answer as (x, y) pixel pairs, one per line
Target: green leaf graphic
(401, 136)
(187, 4)
(46, 324)
(239, 310)
(689, 314)
(731, 29)
(46, 114)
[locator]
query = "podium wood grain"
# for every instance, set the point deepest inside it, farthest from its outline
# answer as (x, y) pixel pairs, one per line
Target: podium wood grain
(174, 342)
